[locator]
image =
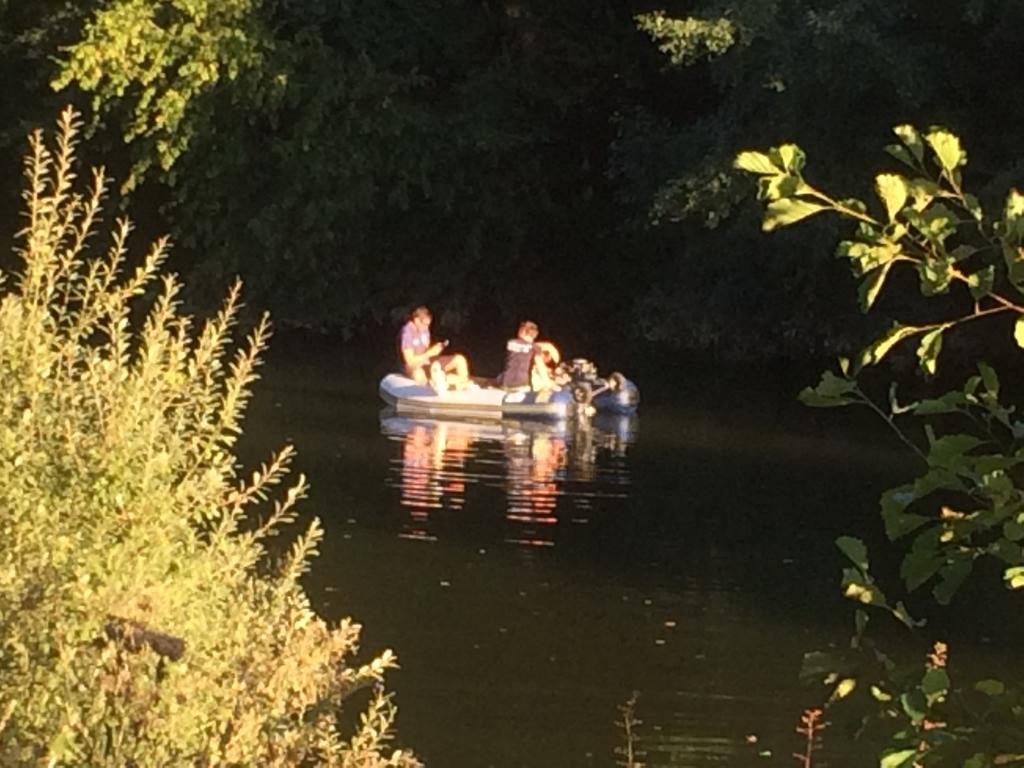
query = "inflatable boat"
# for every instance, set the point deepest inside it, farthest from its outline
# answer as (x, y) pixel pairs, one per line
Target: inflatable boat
(582, 392)
(481, 402)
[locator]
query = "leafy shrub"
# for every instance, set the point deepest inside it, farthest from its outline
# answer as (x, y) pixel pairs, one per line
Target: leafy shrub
(964, 512)
(142, 621)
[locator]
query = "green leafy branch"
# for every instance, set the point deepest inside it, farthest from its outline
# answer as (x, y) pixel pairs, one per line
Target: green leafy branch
(966, 504)
(930, 224)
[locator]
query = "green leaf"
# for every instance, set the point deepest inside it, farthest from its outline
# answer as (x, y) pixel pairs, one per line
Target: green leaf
(782, 213)
(893, 191)
(904, 617)
(817, 665)
(855, 550)
(755, 162)
(1011, 228)
(1013, 256)
(990, 687)
(915, 705)
(877, 351)
(918, 567)
(832, 391)
(1014, 577)
(974, 207)
(936, 275)
(866, 257)
(937, 222)
(792, 157)
(951, 402)
(898, 522)
(879, 695)
(989, 378)
(947, 148)
(935, 685)
(981, 282)
(951, 578)
(910, 137)
(1018, 331)
(845, 687)
(901, 154)
(867, 594)
(898, 759)
(1010, 553)
(860, 619)
(871, 286)
(948, 450)
(1013, 530)
(929, 348)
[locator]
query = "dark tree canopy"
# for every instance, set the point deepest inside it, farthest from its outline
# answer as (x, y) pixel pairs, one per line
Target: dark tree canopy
(569, 159)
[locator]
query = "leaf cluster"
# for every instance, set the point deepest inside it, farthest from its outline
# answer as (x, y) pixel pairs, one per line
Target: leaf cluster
(967, 505)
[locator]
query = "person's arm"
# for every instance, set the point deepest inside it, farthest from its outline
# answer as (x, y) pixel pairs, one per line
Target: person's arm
(413, 360)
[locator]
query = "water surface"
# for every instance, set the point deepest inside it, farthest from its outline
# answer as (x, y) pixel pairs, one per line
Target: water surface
(531, 577)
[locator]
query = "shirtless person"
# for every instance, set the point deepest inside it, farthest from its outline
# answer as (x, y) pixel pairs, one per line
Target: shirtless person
(423, 361)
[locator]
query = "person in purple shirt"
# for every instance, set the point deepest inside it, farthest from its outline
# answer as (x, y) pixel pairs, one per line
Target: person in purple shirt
(423, 361)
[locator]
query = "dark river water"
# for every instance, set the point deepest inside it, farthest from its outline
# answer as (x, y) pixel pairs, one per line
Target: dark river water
(531, 578)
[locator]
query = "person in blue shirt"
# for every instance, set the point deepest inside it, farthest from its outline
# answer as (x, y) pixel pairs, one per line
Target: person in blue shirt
(423, 361)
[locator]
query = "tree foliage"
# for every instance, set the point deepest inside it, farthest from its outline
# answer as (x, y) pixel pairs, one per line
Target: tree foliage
(144, 618)
(835, 75)
(352, 158)
(966, 508)
(343, 145)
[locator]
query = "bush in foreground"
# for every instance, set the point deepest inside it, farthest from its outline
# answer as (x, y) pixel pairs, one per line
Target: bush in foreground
(141, 619)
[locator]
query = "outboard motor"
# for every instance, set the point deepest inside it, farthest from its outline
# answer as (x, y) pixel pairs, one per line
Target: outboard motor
(581, 378)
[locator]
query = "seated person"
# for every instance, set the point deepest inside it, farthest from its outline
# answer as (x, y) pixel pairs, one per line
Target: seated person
(545, 365)
(423, 361)
(525, 361)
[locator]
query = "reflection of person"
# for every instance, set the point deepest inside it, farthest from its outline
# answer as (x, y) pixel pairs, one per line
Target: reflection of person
(432, 474)
(423, 361)
(526, 360)
(533, 487)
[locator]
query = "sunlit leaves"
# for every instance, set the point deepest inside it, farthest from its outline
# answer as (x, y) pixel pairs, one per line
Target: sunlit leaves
(871, 286)
(947, 149)
(756, 162)
(901, 758)
(843, 688)
(1018, 331)
(935, 275)
(966, 505)
(123, 505)
(688, 39)
(156, 64)
(1014, 577)
(981, 282)
(790, 157)
(877, 351)
(781, 213)
(866, 257)
(929, 348)
(1012, 225)
(893, 191)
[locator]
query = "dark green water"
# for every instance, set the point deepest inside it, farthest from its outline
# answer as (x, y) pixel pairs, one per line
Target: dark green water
(530, 579)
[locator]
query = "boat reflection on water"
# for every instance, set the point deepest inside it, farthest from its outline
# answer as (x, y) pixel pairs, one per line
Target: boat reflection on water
(533, 465)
